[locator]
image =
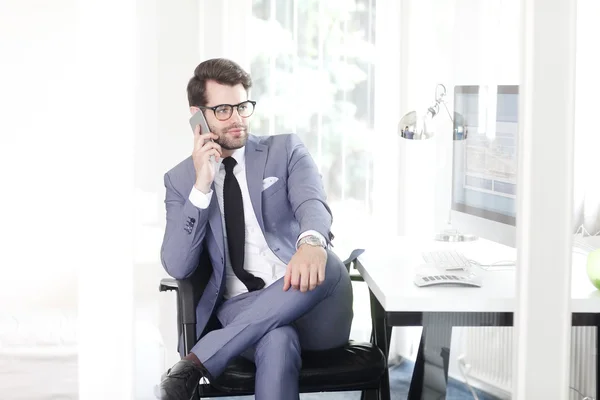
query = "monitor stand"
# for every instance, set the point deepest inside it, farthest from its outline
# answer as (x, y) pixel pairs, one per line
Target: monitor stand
(453, 235)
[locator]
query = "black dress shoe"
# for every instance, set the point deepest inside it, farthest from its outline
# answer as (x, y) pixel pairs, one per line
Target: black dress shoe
(181, 381)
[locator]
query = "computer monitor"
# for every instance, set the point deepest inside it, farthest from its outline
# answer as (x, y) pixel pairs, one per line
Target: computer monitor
(484, 172)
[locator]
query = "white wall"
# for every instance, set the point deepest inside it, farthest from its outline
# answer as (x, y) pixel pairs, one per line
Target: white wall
(93, 111)
(65, 150)
(38, 299)
(587, 123)
(37, 92)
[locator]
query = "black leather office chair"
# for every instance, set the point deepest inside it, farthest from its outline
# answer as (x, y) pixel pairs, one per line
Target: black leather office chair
(358, 366)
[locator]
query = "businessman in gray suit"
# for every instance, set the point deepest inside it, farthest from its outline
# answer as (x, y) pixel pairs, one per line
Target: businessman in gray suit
(257, 206)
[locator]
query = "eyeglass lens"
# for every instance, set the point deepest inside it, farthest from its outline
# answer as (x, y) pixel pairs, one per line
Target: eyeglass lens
(223, 112)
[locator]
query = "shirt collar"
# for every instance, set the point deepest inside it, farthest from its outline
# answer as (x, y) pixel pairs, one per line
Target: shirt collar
(239, 156)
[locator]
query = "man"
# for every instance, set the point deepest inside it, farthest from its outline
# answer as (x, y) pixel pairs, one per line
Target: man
(257, 206)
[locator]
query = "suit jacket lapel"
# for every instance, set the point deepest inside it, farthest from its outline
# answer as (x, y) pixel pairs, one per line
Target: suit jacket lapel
(256, 158)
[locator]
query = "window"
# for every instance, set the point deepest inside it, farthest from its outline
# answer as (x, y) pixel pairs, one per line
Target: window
(312, 63)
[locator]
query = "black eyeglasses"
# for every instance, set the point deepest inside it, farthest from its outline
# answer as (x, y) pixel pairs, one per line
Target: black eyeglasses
(224, 111)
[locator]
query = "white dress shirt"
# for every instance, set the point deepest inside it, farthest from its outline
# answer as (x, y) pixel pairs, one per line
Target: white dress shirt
(259, 259)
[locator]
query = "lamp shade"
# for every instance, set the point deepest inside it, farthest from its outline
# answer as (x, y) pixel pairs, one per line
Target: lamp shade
(415, 127)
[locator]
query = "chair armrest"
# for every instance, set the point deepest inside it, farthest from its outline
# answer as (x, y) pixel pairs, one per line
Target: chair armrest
(350, 261)
(168, 284)
(352, 257)
(185, 297)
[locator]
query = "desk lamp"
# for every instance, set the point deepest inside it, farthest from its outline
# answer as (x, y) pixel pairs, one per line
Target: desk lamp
(413, 127)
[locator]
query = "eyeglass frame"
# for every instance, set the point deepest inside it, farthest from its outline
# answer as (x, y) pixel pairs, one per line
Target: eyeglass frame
(233, 106)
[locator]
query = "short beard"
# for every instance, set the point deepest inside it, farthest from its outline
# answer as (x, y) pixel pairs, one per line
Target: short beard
(227, 144)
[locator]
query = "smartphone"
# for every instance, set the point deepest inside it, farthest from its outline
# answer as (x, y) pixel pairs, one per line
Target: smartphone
(199, 119)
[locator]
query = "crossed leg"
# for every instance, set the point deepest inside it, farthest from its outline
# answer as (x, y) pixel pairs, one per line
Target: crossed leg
(271, 327)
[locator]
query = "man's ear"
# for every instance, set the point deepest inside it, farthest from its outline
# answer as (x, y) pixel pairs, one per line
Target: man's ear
(194, 110)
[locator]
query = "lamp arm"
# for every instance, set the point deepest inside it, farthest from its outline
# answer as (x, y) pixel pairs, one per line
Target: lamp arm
(439, 99)
(448, 111)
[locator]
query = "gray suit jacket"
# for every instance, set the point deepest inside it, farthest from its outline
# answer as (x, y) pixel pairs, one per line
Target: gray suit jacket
(294, 204)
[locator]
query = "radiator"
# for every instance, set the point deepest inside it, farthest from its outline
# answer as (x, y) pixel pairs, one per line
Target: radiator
(489, 351)
(583, 362)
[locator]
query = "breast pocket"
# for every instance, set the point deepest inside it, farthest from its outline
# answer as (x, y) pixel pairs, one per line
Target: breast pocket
(273, 189)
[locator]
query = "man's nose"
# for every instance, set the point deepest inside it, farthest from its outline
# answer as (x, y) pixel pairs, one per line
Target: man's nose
(235, 115)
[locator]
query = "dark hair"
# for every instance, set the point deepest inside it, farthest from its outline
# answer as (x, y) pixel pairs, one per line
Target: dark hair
(221, 70)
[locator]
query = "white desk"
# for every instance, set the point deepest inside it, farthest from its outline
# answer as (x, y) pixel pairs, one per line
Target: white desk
(389, 269)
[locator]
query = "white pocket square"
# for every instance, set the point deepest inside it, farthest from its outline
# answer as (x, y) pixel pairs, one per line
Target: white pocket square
(268, 182)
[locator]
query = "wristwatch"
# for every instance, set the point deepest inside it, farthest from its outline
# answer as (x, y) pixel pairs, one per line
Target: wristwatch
(311, 240)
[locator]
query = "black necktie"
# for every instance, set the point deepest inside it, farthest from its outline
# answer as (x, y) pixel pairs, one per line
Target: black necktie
(235, 226)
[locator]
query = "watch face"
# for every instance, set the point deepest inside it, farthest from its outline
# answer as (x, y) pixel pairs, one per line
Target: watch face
(312, 240)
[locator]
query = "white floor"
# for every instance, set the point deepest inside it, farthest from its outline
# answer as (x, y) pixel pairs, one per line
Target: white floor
(38, 356)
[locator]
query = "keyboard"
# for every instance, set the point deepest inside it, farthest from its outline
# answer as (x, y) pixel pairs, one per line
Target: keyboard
(449, 260)
(447, 280)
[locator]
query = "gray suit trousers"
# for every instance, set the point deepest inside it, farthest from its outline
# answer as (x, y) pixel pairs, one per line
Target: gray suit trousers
(271, 327)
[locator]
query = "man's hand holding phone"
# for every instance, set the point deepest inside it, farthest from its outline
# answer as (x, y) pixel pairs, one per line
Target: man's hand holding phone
(204, 148)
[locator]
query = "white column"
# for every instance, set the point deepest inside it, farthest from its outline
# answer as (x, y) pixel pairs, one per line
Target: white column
(173, 52)
(387, 109)
(102, 170)
(226, 30)
(543, 319)
(178, 54)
